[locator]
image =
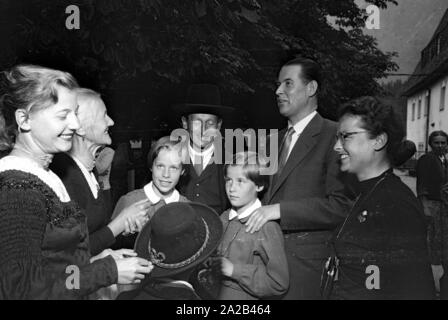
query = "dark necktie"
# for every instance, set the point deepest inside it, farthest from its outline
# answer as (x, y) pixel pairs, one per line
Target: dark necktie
(284, 148)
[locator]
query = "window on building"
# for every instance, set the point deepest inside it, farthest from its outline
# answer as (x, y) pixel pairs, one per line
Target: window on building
(413, 111)
(420, 149)
(442, 97)
(421, 146)
(419, 109)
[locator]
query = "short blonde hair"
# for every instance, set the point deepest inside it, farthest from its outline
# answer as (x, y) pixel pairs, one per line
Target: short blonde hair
(165, 143)
(85, 97)
(31, 88)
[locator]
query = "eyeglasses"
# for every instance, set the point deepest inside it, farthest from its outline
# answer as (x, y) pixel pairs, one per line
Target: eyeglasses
(343, 136)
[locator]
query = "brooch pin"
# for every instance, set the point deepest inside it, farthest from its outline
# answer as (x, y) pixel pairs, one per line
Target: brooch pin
(362, 217)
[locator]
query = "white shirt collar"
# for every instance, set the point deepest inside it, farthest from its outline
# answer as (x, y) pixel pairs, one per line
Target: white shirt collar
(206, 155)
(245, 213)
(154, 198)
(90, 177)
(29, 166)
(301, 125)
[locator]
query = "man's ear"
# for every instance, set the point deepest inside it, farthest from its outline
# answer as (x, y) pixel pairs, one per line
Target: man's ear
(184, 122)
(219, 123)
(23, 120)
(311, 88)
(381, 141)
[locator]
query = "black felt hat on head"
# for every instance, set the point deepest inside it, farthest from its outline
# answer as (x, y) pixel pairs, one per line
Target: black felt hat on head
(178, 237)
(203, 98)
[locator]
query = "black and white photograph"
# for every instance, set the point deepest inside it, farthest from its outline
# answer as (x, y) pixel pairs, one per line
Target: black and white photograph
(242, 153)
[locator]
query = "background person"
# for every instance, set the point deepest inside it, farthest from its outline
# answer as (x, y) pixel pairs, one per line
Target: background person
(103, 166)
(431, 176)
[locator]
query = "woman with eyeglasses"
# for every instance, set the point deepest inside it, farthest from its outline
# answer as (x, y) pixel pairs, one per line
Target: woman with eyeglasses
(379, 252)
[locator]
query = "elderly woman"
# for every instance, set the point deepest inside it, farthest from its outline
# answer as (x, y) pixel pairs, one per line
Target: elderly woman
(380, 249)
(75, 168)
(44, 242)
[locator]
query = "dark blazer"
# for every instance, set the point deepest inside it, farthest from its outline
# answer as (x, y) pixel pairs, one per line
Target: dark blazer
(208, 188)
(431, 175)
(97, 212)
(313, 202)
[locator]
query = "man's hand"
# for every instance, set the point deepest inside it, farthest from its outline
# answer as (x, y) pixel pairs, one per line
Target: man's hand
(261, 216)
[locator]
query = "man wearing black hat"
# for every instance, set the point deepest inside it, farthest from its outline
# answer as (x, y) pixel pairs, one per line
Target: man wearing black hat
(202, 117)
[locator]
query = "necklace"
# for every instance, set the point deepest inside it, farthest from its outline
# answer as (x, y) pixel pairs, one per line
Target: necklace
(330, 272)
(356, 203)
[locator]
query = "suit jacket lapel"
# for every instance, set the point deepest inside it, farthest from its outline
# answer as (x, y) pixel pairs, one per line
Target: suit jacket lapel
(307, 140)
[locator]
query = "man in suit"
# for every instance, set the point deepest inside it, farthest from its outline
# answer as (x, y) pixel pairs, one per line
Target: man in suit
(306, 194)
(202, 117)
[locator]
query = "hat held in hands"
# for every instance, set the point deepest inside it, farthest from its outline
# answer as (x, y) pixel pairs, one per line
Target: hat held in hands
(178, 237)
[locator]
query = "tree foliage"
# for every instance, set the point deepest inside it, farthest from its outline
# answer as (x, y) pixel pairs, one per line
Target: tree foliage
(237, 44)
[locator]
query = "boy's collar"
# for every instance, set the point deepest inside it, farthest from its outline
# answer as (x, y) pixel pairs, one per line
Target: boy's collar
(246, 213)
(154, 198)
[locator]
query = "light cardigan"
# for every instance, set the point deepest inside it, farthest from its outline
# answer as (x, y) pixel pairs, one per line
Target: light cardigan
(30, 166)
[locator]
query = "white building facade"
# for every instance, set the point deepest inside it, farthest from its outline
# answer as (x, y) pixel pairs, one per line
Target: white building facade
(427, 111)
(426, 90)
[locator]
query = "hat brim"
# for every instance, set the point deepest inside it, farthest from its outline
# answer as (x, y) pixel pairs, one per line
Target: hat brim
(185, 109)
(215, 227)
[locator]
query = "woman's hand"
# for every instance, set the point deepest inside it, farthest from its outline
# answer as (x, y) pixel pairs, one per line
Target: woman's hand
(133, 225)
(116, 254)
(226, 267)
(132, 270)
(135, 212)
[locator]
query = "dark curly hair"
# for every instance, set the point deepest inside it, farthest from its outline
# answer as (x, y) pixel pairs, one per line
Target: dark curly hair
(377, 118)
(31, 88)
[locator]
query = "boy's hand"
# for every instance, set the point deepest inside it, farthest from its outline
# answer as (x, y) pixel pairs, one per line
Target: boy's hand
(261, 216)
(226, 267)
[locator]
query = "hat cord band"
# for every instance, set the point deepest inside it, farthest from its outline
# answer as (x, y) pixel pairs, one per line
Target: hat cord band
(157, 257)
